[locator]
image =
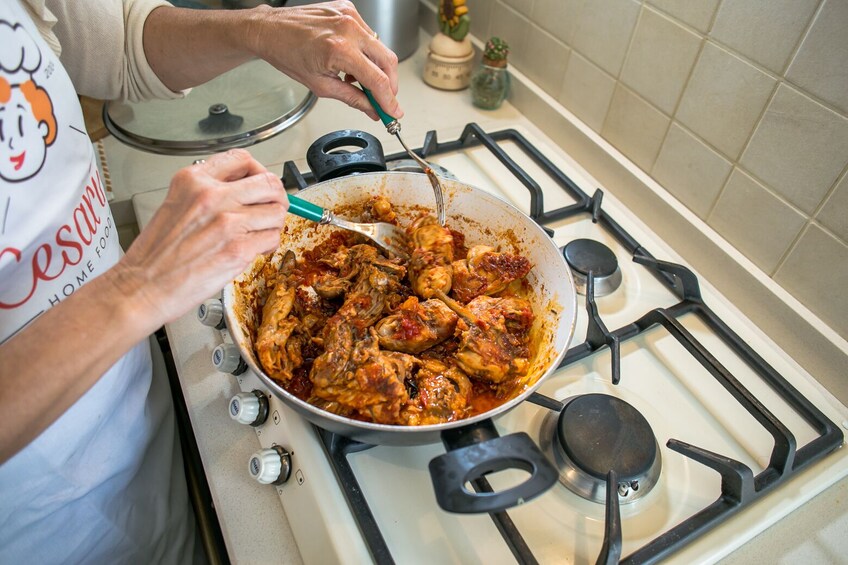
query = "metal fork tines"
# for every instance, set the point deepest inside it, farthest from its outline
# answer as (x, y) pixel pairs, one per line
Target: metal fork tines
(394, 129)
(387, 236)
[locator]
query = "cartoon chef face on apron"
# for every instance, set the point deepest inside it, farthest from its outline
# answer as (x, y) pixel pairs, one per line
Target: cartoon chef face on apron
(27, 121)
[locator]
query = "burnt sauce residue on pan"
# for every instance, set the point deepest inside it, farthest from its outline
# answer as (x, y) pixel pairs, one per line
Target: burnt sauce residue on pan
(340, 325)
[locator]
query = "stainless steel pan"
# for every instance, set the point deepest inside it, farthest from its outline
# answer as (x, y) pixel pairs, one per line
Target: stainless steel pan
(483, 219)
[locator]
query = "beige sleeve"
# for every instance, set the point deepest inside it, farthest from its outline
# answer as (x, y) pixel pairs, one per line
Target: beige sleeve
(102, 49)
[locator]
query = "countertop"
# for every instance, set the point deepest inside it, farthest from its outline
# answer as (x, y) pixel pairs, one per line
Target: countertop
(813, 534)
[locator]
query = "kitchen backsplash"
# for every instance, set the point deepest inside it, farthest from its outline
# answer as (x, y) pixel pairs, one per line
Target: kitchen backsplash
(739, 108)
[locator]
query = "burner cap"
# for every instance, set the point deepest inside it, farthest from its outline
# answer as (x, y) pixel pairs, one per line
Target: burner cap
(596, 433)
(584, 255)
(602, 433)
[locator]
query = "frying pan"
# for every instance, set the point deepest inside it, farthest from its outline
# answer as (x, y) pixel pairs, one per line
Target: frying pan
(474, 447)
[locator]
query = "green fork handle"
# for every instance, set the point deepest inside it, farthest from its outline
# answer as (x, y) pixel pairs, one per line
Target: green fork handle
(304, 209)
(384, 117)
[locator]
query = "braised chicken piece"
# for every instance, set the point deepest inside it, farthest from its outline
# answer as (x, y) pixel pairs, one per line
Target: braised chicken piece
(417, 326)
(312, 309)
(486, 272)
(494, 337)
(441, 393)
(349, 262)
(276, 354)
(381, 210)
(430, 263)
(354, 377)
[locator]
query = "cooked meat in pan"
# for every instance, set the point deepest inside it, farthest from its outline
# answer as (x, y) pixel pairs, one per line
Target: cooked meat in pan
(438, 339)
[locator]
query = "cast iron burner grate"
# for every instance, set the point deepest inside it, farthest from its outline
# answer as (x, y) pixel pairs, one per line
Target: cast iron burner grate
(739, 486)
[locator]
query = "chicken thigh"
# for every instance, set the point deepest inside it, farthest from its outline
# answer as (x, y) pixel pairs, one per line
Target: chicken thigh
(494, 337)
(441, 394)
(485, 272)
(417, 326)
(430, 263)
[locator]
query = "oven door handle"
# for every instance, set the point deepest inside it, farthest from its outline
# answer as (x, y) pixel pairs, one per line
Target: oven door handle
(477, 450)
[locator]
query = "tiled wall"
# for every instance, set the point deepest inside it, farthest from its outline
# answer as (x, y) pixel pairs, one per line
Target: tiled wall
(738, 107)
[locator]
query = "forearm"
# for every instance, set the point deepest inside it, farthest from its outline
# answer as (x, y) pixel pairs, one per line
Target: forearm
(187, 47)
(62, 354)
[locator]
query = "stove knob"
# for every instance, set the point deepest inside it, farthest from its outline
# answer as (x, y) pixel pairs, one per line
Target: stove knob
(249, 408)
(211, 313)
(227, 359)
(270, 466)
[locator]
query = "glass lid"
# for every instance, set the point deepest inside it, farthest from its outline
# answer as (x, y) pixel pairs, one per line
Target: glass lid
(239, 108)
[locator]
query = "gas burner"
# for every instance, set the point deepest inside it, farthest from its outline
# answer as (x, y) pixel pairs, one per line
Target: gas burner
(596, 433)
(584, 255)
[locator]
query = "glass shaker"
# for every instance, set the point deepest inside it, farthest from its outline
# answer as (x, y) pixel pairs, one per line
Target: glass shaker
(490, 82)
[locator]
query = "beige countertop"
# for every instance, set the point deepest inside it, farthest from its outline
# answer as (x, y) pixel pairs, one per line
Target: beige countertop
(813, 534)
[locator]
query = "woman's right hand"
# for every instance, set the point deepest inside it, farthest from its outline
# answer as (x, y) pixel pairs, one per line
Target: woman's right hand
(217, 217)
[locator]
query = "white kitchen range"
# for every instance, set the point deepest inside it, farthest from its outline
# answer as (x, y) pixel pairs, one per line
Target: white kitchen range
(673, 428)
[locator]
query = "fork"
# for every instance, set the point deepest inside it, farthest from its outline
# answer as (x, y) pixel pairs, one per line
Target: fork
(385, 235)
(393, 127)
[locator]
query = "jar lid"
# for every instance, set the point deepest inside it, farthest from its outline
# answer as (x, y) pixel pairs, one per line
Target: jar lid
(243, 106)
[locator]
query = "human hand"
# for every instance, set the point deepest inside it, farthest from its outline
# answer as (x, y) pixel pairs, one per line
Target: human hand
(315, 43)
(217, 217)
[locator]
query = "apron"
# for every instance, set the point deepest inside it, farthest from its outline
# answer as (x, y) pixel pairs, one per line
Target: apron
(104, 483)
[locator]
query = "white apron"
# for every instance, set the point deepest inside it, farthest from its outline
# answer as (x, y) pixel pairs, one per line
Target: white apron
(104, 483)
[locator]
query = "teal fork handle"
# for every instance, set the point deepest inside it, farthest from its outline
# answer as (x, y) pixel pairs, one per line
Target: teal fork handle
(304, 209)
(384, 117)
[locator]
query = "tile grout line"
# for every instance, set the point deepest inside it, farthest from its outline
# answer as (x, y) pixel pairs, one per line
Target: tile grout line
(617, 76)
(790, 248)
(672, 119)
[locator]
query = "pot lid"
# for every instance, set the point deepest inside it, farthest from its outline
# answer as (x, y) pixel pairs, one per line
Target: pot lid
(243, 106)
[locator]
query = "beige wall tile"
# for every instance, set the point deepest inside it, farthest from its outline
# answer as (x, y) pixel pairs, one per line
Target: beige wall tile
(834, 214)
(696, 13)
(821, 65)
(766, 31)
(587, 91)
(547, 61)
(723, 100)
(690, 170)
(514, 29)
(558, 17)
(755, 221)
(799, 148)
(521, 6)
(635, 127)
(603, 32)
(481, 16)
(816, 272)
(660, 59)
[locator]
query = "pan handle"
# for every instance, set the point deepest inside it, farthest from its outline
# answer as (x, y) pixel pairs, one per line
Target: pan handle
(476, 450)
(328, 159)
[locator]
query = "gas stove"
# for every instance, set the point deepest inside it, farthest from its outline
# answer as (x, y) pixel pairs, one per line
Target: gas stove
(670, 416)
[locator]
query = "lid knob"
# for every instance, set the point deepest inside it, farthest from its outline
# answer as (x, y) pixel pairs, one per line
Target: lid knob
(227, 359)
(249, 408)
(270, 466)
(211, 313)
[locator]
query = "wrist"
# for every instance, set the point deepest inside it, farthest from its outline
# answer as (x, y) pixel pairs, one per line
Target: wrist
(252, 28)
(131, 296)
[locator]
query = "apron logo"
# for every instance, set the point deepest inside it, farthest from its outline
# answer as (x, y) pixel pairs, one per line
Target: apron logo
(27, 122)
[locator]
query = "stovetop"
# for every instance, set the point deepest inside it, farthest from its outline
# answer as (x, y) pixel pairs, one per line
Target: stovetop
(734, 418)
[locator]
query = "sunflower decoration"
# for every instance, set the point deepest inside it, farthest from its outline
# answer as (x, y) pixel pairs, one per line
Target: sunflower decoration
(453, 19)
